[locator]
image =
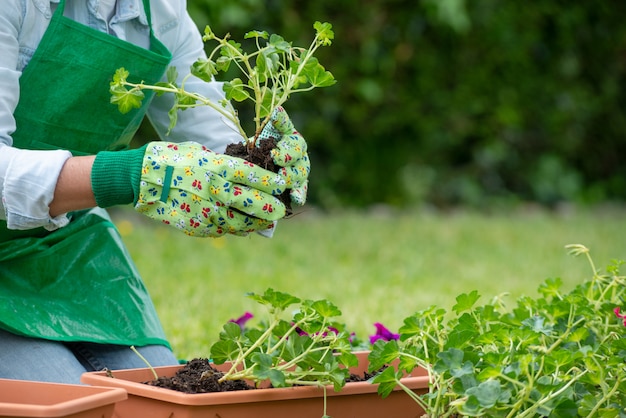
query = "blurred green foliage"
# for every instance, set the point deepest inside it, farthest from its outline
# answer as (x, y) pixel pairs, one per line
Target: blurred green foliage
(449, 102)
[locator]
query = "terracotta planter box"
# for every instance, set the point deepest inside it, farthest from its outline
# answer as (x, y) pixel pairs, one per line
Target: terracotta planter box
(19, 398)
(358, 399)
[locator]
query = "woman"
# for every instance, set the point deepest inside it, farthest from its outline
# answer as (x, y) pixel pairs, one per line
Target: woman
(71, 299)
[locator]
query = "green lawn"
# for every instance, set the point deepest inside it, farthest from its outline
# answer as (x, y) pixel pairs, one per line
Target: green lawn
(374, 266)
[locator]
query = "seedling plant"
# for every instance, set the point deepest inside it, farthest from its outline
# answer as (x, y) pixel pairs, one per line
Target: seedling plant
(270, 73)
(306, 348)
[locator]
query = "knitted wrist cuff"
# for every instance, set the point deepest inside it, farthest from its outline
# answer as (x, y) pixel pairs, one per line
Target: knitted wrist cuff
(115, 177)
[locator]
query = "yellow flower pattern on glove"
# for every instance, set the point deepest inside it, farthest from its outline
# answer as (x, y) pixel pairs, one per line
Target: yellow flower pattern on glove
(206, 194)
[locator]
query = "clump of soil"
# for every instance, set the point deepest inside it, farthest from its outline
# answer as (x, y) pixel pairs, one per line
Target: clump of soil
(261, 156)
(364, 377)
(199, 376)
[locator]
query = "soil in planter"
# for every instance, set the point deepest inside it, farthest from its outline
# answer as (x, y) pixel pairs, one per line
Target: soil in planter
(262, 157)
(199, 376)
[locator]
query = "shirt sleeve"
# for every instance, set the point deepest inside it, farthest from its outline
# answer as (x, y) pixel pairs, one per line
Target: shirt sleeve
(201, 124)
(28, 182)
(27, 178)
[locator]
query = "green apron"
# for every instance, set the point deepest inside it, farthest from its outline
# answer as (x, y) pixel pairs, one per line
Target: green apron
(78, 283)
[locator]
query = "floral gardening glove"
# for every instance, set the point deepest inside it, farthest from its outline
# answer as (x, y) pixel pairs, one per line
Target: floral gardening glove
(290, 153)
(200, 192)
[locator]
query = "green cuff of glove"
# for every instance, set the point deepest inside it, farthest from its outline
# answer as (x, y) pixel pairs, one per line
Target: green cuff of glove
(115, 177)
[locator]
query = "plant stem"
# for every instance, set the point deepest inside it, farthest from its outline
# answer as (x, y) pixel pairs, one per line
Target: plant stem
(156, 376)
(232, 372)
(604, 399)
(229, 115)
(531, 411)
(564, 335)
(413, 396)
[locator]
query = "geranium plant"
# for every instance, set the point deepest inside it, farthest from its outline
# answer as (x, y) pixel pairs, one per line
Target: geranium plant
(272, 71)
(303, 348)
(562, 354)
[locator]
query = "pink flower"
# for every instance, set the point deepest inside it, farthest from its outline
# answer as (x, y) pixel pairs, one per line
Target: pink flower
(382, 333)
(620, 316)
(241, 321)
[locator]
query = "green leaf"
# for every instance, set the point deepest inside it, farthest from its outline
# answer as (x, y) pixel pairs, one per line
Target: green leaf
(407, 364)
(295, 346)
(281, 329)
(451, 361)
(465, 301)
(173, 115)
(264, 370)
(551, 287)
(470, 407)
(325, 308)
(567, 408)
(235, 90)
(208, 34)
(278, 300)
(267, 64)
(463, 333)
(120, 76)
(413, 325)
(279, 43)
(338, 377)
(418, 323)
(233, 52)
(348, 359)
(261, 68)
(387, 381)
(230, 331)
(267, 104)
(324, 32)
(382, 354)
(256, 34)
(262, 360)
(204, 69)
(537, 324)
(489, 372)
(223, 351)
(452, 358)
(223, 64)
(126, 100)
(171, 75)
(487, 393)
(314, 73)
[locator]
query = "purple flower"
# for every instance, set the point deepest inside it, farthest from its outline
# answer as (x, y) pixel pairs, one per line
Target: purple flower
(301, 332)
(241, 321)
(382, 333)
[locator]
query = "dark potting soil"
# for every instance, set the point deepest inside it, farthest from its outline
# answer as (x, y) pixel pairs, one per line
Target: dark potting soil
(262, 157)
(199, 376)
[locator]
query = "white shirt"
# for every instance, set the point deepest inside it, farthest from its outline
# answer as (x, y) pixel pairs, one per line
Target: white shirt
(28, 178)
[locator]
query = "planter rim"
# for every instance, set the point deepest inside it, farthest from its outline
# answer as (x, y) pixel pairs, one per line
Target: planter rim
(85, 398)
(135, 387)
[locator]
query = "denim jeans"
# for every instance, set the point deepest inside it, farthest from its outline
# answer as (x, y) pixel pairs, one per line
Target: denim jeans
(52, 361)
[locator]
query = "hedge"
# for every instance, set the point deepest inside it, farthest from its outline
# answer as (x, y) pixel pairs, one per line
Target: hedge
(447, 102)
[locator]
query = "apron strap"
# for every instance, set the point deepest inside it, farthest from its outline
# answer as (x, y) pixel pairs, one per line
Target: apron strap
(146, 9)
